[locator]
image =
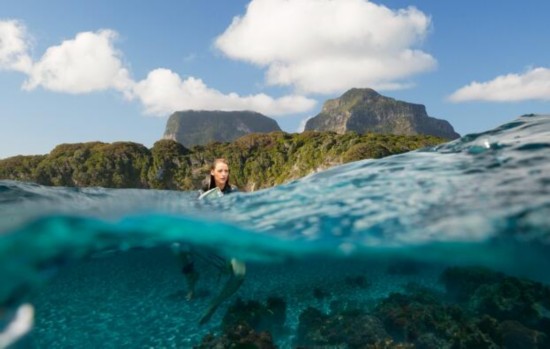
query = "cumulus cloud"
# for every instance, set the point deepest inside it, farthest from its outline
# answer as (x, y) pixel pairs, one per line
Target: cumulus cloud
(302, 125)
(326, 46)
(87, 63)
(163, 91)
(14, 46)
(532, 85)
(90, 62)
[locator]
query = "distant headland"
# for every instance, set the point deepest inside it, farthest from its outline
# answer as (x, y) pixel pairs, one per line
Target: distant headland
(361, 124)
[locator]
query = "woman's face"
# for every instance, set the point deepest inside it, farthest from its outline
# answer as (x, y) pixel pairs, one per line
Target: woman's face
(220, 173)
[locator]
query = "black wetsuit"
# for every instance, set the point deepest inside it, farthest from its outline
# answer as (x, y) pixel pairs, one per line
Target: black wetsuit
(189, 266)
(235, 268)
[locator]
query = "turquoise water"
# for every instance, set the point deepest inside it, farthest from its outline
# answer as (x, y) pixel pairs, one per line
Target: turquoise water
(96, 264)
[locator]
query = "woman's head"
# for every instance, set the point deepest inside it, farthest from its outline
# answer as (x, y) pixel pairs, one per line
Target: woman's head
(219, 173)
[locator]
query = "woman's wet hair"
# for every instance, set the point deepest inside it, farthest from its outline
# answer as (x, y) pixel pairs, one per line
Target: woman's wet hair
(217, 161)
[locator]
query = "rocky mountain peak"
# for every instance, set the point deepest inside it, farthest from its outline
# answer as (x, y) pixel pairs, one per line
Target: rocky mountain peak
(365, 110)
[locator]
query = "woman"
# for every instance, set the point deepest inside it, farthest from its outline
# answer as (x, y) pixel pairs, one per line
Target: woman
(218, 179)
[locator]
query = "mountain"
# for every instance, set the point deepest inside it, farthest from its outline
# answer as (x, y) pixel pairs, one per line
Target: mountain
(365, 110)
(194, 127)
(257, 161)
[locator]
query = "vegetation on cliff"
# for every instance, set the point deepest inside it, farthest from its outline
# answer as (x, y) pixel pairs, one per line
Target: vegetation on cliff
(257, 160)
(365, 110)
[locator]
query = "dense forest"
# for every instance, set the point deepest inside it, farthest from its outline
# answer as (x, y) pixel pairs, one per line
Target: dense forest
(256, 160)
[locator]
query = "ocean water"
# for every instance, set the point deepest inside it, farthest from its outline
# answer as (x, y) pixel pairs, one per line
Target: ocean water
(441, 228)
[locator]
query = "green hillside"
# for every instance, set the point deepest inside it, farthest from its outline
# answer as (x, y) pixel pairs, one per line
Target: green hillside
(256, 160)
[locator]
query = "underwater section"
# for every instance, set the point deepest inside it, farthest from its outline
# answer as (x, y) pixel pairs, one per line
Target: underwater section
(438, 248)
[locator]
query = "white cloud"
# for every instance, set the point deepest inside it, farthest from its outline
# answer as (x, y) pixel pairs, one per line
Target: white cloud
(90, 62)
(532, 85)
(87, 63)
(14, 46)
(163, 92)
(327, 46)
(302, 125)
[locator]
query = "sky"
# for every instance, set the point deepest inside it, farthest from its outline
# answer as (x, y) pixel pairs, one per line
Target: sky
(80, 71)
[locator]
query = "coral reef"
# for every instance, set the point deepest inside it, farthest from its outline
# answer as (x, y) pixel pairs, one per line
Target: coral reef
(480, 309)
(240, 336)
(353, 328)
(259, 317)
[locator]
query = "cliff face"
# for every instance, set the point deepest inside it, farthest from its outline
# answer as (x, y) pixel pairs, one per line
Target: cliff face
(365, 110)
(192, 128)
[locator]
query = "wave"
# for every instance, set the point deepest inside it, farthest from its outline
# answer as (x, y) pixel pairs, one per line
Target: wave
(478, 200)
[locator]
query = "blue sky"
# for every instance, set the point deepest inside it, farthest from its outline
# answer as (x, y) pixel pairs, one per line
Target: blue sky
(114, 70)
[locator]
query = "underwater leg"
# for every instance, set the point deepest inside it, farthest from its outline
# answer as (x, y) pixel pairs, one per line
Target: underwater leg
(238, 270)
(191, 275)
